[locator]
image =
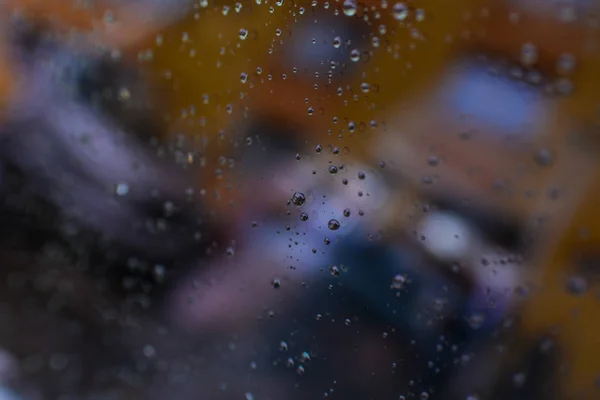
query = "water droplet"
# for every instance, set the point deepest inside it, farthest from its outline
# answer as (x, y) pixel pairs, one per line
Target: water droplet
(361, 175)
(398, 282)
(243, 77)
(290, 363)
(349, 7)
(566, 63)
(333, 169)
(347, 212)
(159, 273)
(420, 15)
(519, 379)
(304, 217)
(243, 33)
(347, 321)
(337, 42)
(283, 346)
(576, 285)
(230, 251)
(122, 189)
(276, 283)
(529, 54)
(305, 356)
(300, 370)
(355, 55)
(334, 270)
(433, 161)
(400, 11)
(333, 224)
(319, 148)
(298, 199)
(149, 351)
(544, 157)
(124, 94)
(476, 320)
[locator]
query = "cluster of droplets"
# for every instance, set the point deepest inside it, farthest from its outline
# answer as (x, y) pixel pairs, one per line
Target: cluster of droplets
(298, 362)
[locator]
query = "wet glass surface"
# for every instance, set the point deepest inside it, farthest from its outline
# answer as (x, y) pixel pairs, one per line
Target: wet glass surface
(280, 200)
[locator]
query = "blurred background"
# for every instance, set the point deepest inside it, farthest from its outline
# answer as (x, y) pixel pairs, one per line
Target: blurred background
(293, 199)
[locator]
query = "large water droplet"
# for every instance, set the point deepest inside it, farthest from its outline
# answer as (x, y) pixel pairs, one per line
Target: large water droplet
(298, 199)
(349, 7)
(305, 356)
(337, 42)
(122, 189)
(400, 11)
(333, 224)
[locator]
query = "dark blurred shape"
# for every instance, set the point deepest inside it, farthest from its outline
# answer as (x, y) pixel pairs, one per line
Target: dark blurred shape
(501, 229)
(81, 169)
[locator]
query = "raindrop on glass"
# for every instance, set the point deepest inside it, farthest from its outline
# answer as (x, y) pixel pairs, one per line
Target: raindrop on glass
(122, 189)
(400, 11)
(333, 224)
(576, 285)
(349, 7)
(298, 199)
